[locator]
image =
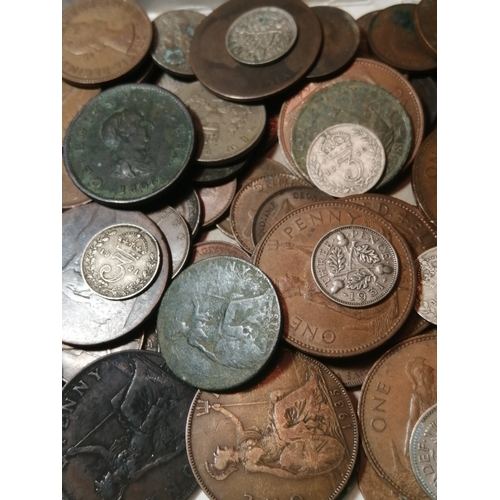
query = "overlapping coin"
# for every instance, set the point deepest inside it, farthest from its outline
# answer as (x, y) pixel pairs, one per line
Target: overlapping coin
(426, 302)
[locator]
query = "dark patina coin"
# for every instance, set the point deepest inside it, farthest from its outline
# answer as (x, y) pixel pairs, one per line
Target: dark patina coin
(213, 176)
(426, 23)
(124, 419)
(129, 144)
(187, 202)
(218, 323)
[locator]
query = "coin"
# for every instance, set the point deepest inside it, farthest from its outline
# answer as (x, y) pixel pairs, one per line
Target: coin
(209, 175)
(129, 144)
(291, 435)
(345, 159)
(217, 70)
(215, 248)
(218, 323)
(426, 302)
(261, 35)
(102, 41)
(426, 89)
(173, 31)
(187, 202)
(423, 451)
(216, 201)
(124, 419)
(371, 485)
(426, 23)
(363, 23)
(168, 82)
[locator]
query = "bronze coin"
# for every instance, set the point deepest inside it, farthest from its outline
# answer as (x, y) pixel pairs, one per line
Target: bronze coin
(393, 37)
(102, 41)
(340, 41)
(426, 23)
(215, 201)
(426, 89)
(214, 248)
(363, 23)
(313, 323)
(424, 177)
(398, 389)
(188, 204)
(223, 75)
(212, 176)
(292, 435)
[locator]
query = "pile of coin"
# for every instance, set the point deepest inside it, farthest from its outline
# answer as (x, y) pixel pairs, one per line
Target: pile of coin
(237, 258)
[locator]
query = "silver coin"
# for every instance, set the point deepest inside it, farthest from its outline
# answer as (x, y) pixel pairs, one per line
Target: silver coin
(426, 302)
(168, 82)
(261, 36)
(345, 159)
(423, 451)
(120, 261)
(354, 266)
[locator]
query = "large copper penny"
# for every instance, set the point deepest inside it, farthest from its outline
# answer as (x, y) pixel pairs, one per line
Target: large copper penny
(398, 389)
(207, 249)
(292, 435)
(223, 75)
(363, 23)
(312, 322)
(371, 485)
(102, 41)
(216, 201)
(426, 23)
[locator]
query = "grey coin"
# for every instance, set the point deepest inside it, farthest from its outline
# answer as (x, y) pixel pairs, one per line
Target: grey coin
(354, 266)
(124, 419)
(215, 248)
(345, 159)
(261, 35)
(423, 451)
(226, 130)
(120, 261)
(202, 175)
(177, 233)
(168, 82)
(426, 302)
(187, 203)
(218, 323)
(88, 318)
(172, 34)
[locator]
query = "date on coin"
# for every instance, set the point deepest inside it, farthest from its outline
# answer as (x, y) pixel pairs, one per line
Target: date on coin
(120, 261)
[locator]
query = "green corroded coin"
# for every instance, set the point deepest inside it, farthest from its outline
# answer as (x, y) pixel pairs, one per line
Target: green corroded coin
(218, 323)
(129, 144)
(359, 103)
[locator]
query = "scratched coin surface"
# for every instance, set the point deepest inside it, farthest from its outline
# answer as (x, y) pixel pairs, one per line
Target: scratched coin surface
(293, 435)
(102, 41)
(218, 323)
(345, 159)
(426, 301)
(124, 419)
(261, 35)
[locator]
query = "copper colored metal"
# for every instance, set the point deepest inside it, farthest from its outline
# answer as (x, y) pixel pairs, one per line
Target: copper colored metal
(214, 248)
(426, 23)
(216, 201)
(371, 485)
(363, 23)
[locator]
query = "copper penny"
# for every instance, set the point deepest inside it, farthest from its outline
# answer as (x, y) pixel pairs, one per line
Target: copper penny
(292, 435)
(424, 177)
(201, 175)
(363, 23)
(215, 201)
(312, 322)
(102, 41)
(188, 204)
(426, 23)
(214, 248)
(217, 70)
(398, 389)
(393, 37)
(426, 89)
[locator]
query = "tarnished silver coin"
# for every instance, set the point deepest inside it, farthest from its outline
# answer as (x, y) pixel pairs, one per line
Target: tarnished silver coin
(426, 302)
(120, 261)
(261, 35)
(354, 266)
(423, 451)
(218, 323)
(345, 159)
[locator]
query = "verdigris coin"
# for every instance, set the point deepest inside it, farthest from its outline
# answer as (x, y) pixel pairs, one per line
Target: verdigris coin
(218, 323)
(129, 144)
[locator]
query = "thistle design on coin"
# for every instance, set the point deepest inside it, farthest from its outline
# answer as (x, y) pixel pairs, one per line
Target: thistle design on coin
(354, 266)
(120, 261)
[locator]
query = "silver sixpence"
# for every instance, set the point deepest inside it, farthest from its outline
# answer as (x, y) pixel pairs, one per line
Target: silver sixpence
(426, 302)
(345, 159)
(423, 451)
(261, 36)
(120, 261)
(354, 266)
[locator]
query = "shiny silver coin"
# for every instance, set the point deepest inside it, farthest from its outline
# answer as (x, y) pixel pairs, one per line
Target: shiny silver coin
(354, 266)
(261, 36)
(120, 261)
(426, 302)
(345, 159)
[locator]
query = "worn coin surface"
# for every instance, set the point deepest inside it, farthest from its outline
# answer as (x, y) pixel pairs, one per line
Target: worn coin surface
(216, 201)
(398, 389)
(292, 435)
(203, 175)
(423, 451)
(168, 82)
(124, 419)
(187, 202)
(426, 301)
(345, 159)
(212, 248)
(426, 89)
(426, 23)
(102, 41)
(218, 323)
(363, 23)
(129, 144)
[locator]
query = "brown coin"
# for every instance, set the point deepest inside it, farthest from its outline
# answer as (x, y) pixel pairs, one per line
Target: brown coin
(223, 75)
(248, 200)
(188, 204)
(214, 248)
(424, 177)
(398, 389)
(216, 201)
(340, 41)
(292, 435)
(426, 23)
(392, 36)
(312, 322)
(363, 23)
(426, 89)
(102, 41)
